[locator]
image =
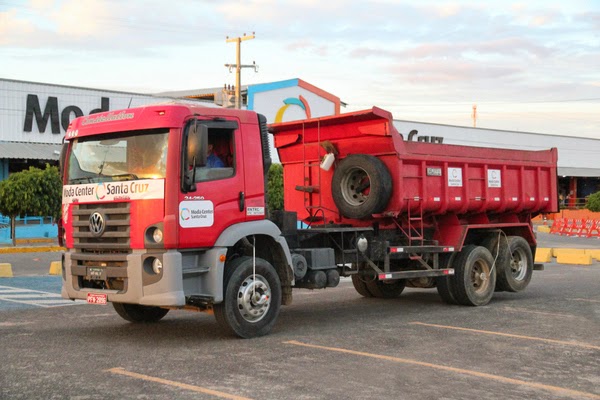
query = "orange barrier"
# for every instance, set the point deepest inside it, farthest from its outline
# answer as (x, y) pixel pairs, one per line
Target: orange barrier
(565, 213)
(576, 227)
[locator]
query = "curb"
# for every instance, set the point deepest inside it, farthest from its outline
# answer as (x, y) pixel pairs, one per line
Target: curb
(6, 270)
(55, 268)
(33, 249)
(574, 258)
(567, 255)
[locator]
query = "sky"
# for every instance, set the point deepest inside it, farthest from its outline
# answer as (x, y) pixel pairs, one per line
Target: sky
(529, 66)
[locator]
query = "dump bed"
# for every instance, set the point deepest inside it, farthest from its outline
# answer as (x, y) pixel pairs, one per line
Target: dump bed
(424, 178)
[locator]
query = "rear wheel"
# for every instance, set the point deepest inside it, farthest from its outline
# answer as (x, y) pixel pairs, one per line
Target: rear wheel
(444, 284)
(445, 289)
(139, 313)
(516, 275)
(386, 289)
(360, 286)
(474, 278)
(497, 244)
(251, 302)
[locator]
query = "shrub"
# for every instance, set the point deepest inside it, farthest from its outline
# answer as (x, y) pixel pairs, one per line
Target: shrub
(594, 202)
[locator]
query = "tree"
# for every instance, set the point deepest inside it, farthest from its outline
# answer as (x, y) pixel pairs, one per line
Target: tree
(275, 187)
(593, 203)
(33, 192)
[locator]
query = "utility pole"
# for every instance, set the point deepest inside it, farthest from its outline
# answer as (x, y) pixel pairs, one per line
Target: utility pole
(238, 66)
(474, 116)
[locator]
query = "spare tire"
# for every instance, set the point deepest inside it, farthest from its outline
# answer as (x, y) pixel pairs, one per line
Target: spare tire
(361, 186)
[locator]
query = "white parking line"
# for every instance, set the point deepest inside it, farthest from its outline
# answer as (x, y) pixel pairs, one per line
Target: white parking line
(481, 376)
(35, 298)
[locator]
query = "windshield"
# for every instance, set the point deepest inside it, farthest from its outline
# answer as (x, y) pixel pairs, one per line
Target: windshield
(120, 156)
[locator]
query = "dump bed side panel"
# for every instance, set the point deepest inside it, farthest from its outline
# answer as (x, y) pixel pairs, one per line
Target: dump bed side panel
(437, 178)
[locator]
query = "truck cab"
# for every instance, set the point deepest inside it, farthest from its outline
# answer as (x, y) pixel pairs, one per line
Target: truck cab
(157, 200)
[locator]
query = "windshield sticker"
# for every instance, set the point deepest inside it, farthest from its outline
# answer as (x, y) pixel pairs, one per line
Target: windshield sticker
(196, 214)
(113, 191)
(108, 118)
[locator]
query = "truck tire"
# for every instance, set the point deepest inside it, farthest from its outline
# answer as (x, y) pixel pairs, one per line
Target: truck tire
(444, 284)
(250, 306)
(386, 289)
(445, 289)
(474, 278)
(138, 313)
(360, 286)
(361, 186)
(516, 274)
(498, 246)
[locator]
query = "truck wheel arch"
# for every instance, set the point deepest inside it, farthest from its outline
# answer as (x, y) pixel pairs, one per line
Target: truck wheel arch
(270, 246)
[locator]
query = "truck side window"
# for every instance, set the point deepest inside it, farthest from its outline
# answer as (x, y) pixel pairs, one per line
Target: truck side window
(220, 152)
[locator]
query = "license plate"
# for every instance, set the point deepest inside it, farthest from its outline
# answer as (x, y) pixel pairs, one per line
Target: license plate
(96, 298)
(95, 272)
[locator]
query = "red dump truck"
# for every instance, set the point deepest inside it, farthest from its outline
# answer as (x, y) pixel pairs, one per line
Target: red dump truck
(164, 208)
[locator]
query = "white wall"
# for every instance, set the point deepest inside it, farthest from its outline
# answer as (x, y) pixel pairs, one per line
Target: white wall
(573, 152)
(13, 103)
(269, 102)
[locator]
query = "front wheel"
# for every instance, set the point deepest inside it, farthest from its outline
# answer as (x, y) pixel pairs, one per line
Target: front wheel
(251, 301)
(138, 313)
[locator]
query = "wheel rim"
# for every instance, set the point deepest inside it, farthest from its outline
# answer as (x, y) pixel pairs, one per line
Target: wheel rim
(254, 298)
(518, 264)
(355, 186)
(480, 276)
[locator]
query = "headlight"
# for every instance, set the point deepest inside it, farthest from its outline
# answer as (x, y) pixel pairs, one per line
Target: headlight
(157, 235)
(157, 266)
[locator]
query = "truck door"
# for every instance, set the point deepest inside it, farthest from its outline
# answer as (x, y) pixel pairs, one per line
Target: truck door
(212, 180)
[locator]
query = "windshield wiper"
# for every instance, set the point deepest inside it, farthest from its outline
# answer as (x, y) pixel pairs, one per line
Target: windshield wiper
(125, 177)
(87, 179)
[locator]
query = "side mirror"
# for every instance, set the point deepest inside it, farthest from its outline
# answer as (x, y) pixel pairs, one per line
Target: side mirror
(62, 158)
(195, 143)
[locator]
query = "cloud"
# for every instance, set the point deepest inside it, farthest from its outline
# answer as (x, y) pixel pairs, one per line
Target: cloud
(434, 71)
(11, 23)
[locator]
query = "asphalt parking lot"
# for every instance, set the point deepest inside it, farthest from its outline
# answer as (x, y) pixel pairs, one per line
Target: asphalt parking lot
(542, 343)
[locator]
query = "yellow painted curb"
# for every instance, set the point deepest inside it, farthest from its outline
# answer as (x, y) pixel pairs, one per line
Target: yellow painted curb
(33, 249)
(5, 270)
(558, 250)
(573, 258)
(543, 228)
(55, 268)
(594, 253)
(543, 255)
(35, 240)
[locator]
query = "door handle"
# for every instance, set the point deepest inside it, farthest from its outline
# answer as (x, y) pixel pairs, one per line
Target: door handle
(241, 201)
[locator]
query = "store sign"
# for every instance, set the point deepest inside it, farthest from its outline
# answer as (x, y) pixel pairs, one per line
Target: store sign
(53, 114)
(427, 139)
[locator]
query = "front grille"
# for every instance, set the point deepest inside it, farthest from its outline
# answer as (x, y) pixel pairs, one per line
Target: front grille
(117, 231)
(107, 251)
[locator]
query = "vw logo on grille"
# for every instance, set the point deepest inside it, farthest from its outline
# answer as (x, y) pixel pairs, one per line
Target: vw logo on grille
(97, 224)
